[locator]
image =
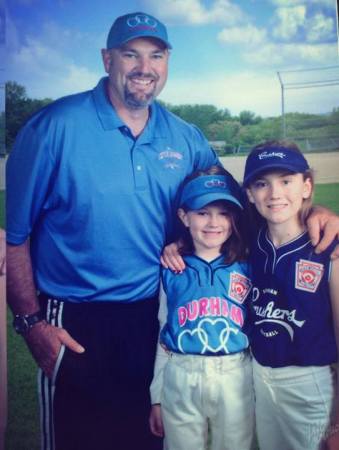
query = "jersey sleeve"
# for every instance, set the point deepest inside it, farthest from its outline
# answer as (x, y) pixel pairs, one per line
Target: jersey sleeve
(29, 172)
(162, 356)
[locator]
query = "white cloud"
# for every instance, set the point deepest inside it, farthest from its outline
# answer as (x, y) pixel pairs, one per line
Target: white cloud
(259, 92)
(287, 3)
(195, 13)
(319, 27)
(288, 21)
(292, 55)
(238, 92)
(42, 65)
(245, 35)
(44, 62)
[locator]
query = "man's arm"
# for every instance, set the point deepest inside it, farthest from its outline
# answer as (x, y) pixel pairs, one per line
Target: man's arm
(323, 228)
(43, 339)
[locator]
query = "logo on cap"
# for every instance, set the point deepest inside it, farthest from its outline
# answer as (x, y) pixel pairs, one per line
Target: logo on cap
(141, 20)
(215, 183)
(266, 155)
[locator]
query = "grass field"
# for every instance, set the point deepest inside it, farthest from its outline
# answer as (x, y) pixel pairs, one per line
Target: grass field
(22, 429)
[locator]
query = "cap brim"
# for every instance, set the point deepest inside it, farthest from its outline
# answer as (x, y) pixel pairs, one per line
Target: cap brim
(203, 200)
(269, 167)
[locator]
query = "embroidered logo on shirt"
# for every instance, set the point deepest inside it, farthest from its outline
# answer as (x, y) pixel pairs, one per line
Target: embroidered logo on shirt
(239, 287)
(171, 158)
(308, 275)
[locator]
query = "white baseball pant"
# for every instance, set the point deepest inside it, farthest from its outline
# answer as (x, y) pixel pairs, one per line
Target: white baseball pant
(208, 395)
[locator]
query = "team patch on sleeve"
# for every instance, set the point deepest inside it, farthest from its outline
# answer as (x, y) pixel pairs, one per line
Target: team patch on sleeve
(308, 275)
(239, 287)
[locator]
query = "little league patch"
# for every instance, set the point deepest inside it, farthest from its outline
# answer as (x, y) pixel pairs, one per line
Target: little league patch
(308, 275)
(239, 287)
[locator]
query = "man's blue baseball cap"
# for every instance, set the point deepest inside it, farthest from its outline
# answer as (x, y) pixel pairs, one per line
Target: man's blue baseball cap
(271, 158)
(136, 25)
(206, 189)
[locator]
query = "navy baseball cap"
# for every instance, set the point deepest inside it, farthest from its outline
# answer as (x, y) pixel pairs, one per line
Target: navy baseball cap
(200, 191)
(261, 160)
(136, 25)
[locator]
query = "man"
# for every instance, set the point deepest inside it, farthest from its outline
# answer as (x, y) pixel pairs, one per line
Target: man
(91, 189)
(90, 195)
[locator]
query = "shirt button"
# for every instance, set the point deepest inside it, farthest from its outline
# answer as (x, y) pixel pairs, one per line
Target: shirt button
(139, 168)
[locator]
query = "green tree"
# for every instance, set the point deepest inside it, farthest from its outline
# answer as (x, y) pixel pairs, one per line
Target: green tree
(249, 118)
(200, 115)
(224, 130)
(19, 107)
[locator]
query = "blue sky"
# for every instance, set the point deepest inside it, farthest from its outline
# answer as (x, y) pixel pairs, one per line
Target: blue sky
(225, 52)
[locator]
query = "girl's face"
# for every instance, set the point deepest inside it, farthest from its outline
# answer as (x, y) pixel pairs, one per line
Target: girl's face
(209, 227)
(278, 196)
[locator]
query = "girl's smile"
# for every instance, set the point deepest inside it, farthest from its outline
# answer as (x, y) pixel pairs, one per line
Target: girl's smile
(209, 227)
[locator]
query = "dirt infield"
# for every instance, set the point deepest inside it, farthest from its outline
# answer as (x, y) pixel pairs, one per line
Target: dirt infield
(325, 165)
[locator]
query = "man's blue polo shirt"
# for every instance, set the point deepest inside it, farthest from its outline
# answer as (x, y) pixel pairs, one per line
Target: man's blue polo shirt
(98, 204)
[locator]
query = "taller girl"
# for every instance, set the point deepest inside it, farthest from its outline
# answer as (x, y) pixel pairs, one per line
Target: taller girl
(296, 308)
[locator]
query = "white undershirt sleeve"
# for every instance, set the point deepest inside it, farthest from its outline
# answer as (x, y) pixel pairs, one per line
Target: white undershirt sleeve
(162, 356)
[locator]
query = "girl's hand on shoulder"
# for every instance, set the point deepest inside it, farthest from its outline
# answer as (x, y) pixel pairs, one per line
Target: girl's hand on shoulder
(155, 421)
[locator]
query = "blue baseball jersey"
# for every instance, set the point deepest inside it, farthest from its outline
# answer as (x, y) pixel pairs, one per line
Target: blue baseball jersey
(207, 307)
(96, 202)
(292, 313)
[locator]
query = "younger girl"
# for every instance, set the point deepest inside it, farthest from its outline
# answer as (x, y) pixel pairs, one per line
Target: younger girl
(203, 381)
(296, 308)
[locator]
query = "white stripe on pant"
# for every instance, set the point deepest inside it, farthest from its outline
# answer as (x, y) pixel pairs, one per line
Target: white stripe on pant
(46, 386)
(213, 391)
(293, 406)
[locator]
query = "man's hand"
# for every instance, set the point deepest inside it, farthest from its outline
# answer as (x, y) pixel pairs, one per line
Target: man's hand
(45, 340)
(171, 258)
(155, 421)
(324, 221)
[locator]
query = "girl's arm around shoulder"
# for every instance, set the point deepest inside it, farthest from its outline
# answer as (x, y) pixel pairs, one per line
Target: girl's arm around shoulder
(333, 435)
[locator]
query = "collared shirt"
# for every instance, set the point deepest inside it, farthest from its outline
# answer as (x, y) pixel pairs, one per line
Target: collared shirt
(207, 307)
(97, 205)
(292, 312)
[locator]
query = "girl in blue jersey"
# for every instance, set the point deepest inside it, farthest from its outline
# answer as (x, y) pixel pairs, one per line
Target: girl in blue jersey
(295, 307)
(203, 375)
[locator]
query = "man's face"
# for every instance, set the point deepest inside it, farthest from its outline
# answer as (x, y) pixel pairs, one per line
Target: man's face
(137, 72)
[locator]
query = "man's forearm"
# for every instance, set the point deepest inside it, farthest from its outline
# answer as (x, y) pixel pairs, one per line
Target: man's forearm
(21, 291)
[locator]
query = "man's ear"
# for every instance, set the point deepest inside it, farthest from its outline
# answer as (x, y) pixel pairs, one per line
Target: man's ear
(106, 59)
(183, 216)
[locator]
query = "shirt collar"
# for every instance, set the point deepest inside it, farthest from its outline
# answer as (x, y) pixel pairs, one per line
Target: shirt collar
(110, 120)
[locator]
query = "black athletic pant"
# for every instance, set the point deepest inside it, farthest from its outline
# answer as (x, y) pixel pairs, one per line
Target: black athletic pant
(99, 400)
